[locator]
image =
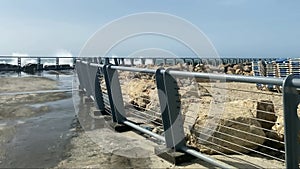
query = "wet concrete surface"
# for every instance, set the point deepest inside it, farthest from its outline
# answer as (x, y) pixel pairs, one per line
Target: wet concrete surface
(40, 141)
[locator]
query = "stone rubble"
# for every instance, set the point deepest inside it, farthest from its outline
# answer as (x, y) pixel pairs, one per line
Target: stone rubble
(214, 122)
(235, 125)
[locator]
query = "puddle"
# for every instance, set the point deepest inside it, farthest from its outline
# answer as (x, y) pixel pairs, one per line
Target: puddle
(35, 92)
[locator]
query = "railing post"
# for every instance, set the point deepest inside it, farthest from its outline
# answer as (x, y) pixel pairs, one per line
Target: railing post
(95, 60)
(98, 93)
(39, 67)
(74, 62)
(92, 72)
(170, 108)
(131, 61)
(143, 61)
(123, 61)
(80, 76)
(116, 61)
(114, 94)
(106, 61)
(87, 79)
(193, 62)
(57, 63)
(291, 100)
(19, 63)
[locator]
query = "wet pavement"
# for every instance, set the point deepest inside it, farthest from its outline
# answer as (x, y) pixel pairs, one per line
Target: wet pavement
(40, 141)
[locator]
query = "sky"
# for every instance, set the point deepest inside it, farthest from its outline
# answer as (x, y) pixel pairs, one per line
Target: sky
(239, 28)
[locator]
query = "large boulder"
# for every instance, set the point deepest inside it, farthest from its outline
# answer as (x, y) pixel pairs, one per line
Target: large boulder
(238, 66)
(239, 69)
(199, 68)
(230, 70)
(153, 107)
(266, 114)
(227, 127)
(279, 126)
(238, 72)
(247, 68)
(236, 128)
(138, 92)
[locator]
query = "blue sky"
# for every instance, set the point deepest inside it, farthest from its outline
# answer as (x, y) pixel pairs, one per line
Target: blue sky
(243, 28)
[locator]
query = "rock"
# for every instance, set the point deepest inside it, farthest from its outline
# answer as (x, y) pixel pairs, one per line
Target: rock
(31, 68)
(238, 66)
(143, 76)
(225, 124)
(279, 126)
(9, 67)
(238, 71)
(202, 68)
(190, 68)
(138, 92)
(247, 68)
(226, 66)
(193, 91)
(236, 126)
(265, 112)
(230, 70)
(228, 128)
(199, 68)
(201, 80)
(158, 130)
(221, 68)
(232, 126)
(153, 107)
(190, 117)
(271, 143)
(207, 69)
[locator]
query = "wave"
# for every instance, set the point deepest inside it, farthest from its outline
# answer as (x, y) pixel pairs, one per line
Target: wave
(45, 61)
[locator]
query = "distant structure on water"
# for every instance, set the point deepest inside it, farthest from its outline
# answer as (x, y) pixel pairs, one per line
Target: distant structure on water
(34, 67)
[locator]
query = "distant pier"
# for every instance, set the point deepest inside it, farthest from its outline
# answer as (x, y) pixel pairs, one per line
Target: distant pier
(175, 60)
(38, 66)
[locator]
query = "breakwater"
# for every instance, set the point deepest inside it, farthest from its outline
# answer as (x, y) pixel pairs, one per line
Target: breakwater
(31, 64)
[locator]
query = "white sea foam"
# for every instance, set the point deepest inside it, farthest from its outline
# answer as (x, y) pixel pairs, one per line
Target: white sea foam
(64, 53)
(24, 61)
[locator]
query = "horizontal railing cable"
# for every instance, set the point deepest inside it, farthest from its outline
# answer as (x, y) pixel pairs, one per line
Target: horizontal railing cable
(264, 108)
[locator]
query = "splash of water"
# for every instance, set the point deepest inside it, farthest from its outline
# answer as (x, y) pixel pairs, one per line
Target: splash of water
(64, 53)
(24, 61)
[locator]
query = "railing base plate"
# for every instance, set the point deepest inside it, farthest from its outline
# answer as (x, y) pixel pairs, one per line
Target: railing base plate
(87, 100)
(172, 156)
(120, 127)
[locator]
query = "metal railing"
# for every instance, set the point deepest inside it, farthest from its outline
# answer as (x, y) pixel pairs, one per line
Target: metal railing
(105, 84)
(38, 62)
(174, 60)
